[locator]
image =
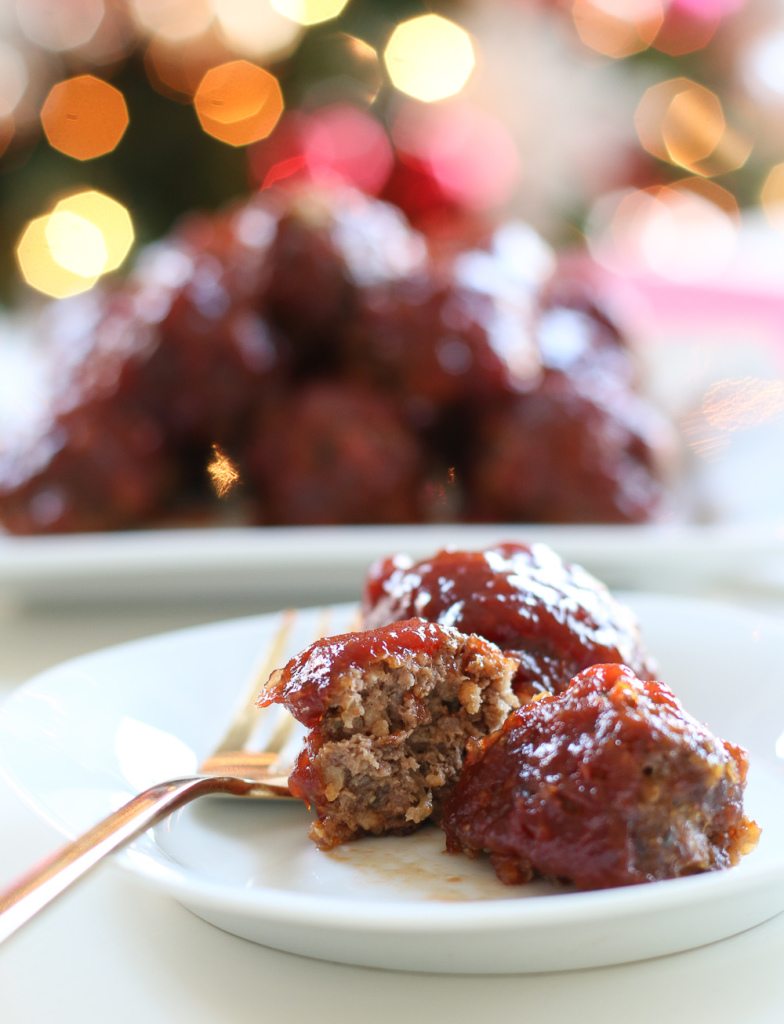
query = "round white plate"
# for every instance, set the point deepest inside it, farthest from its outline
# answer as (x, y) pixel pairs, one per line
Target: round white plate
(82, 738)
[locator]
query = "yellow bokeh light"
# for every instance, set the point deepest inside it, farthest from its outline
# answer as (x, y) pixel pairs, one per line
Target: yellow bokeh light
(109, 217)
(39, 267)
(429, 57)
(84, 117)
(65, 252)
(173, 20)
(256, 29)
(309, 12)
(618, 28)
(238, 102)
(75, 243)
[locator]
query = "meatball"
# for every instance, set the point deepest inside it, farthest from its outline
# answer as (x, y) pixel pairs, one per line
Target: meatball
(553, 618)
(334, 453)
(390, 712)
(95, 467)
(440, 344)
(327, 246)
(566, 453)
(609, 783)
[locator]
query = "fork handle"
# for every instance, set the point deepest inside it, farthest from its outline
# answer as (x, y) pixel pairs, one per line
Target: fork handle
(24, 898)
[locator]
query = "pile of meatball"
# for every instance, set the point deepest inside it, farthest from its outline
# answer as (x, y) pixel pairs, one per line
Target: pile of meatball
(349, 373)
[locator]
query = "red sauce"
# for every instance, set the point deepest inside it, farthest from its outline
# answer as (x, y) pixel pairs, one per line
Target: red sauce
(607, 784)
(305, 684)
(555, 618)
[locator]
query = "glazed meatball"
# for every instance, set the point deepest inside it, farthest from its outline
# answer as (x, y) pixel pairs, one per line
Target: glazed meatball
(334, 453)
(327, 246)
(439, 344)
(564, 453)
(553, 618)
(609, 783)
(390, 712)
(95, 467)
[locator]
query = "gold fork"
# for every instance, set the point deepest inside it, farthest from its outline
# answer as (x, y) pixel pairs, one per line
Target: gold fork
(230, 770)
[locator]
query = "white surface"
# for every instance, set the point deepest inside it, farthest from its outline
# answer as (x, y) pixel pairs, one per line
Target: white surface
(85, 736)
(115, 949)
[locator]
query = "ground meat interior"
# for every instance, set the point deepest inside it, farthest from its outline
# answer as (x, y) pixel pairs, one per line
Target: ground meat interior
(391, 714)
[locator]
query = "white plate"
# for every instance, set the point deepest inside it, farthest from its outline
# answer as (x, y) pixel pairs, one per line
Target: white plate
(81, 738)
(303, 564)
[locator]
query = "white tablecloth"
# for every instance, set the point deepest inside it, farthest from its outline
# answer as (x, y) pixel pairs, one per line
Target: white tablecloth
(112, 951)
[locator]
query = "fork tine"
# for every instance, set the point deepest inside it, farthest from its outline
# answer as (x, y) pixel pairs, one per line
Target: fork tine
(244, 721)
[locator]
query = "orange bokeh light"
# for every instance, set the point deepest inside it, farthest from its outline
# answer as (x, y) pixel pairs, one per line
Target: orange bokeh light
(693, 126)
(618, 28)
(84, 117)
(683, 123)
(238, 102)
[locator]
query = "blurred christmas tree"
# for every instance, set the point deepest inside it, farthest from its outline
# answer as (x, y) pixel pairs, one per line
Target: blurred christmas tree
(212, 97)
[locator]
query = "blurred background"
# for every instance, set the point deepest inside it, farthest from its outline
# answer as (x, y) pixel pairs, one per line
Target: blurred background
(647, 132)
(648, 124)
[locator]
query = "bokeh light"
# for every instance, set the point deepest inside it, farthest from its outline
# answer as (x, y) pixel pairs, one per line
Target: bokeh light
(468, 152)
(309, 12)
(675, 231)
(690, 25)
(109, 217)
(763, 66)
(238, 102)
(337, 144)
(59, 24)
(75, 243)
(256, 29)
(772, 196)
(618, 28)
(343, 144)
(683, 122)
(693, 126)
(84, 117)
(173, 20)
(65, 252)
(14, 78)
(41, 270)
(429, 57)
